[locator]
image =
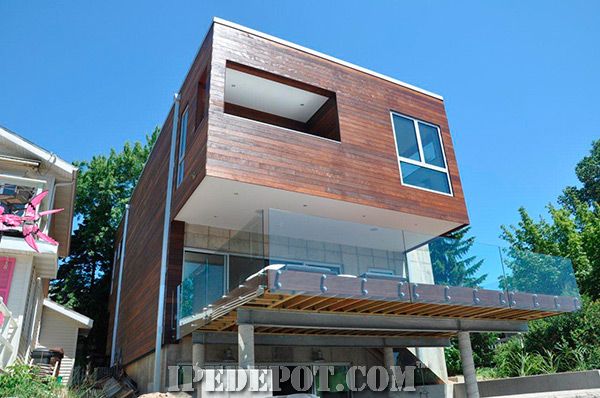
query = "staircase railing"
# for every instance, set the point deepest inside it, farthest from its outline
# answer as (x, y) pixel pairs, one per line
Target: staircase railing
(8, 334)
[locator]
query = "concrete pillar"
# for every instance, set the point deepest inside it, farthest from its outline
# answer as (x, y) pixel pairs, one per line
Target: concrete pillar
(468, 366)
(198, 354)
(388, 358)
(246, 346)
(198, 361)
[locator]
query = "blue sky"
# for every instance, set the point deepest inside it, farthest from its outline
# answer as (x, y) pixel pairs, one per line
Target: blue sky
(520, 78)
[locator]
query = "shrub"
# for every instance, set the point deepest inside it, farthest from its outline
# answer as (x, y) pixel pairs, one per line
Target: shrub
(574, 338)
(25, 381)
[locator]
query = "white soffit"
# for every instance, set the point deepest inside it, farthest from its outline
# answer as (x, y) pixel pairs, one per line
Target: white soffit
(233, 205)
(272, 97)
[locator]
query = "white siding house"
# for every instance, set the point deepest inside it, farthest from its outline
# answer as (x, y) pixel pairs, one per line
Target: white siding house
(27, 170)
(60, 328)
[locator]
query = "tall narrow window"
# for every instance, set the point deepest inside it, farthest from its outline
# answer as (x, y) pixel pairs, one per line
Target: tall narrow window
(421, 155)
(182, 141)
(202, 97)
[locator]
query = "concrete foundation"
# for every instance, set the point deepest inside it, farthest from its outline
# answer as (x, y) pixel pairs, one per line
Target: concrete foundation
(543, 385)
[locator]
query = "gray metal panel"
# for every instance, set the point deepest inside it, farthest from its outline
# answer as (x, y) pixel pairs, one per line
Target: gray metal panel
(321, 341)
(374, 322)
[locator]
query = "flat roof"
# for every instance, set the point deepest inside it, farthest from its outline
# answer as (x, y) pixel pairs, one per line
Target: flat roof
(324, 56)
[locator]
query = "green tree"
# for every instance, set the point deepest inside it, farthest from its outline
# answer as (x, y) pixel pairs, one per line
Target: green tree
(104, 186)
(573, 231)
(453, 261)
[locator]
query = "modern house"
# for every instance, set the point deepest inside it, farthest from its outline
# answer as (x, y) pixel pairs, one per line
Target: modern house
(28, 319)
(296, 210)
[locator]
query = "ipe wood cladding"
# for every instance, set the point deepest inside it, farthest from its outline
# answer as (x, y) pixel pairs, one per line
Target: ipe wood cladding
(361, 168)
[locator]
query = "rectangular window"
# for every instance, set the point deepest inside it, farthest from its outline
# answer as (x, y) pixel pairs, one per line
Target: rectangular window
(202, 97)
(182, 142)
(421, 155)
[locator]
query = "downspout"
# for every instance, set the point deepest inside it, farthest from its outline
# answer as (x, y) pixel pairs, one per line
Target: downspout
(165, 248)
(113, 349)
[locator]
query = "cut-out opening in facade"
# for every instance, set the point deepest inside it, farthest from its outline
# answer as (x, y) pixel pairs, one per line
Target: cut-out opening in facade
(268, 98)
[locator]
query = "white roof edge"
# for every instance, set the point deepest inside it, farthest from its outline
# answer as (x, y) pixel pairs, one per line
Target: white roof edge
(83, 320)
(324, 56)
(50, 157)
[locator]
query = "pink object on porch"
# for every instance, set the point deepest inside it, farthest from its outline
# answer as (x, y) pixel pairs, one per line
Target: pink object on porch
(7, 267)
(28, 221)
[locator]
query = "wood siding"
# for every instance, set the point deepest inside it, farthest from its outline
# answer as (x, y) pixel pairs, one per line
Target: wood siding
(141, 268)
(362, 168)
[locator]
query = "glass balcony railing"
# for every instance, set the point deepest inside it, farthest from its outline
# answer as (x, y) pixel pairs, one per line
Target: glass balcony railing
(320, 256)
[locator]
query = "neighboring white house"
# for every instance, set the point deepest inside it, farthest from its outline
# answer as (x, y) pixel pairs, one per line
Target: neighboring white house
(60, 328)
(25, 171)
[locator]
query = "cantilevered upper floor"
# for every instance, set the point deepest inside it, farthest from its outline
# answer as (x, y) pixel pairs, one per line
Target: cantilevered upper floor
(264, 123)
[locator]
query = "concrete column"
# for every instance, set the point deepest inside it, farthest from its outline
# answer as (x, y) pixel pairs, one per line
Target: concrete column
(198, 361)
(246, 346)
(468, 366)
(388, 358)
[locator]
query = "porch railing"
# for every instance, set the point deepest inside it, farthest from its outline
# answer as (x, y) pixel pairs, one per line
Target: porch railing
(8, 334)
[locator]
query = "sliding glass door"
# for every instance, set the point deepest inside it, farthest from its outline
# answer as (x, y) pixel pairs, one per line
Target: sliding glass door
(204, 276)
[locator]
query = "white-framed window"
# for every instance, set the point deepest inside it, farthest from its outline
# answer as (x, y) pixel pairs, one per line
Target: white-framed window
(182, 142)
(421, 155)
(16, 192)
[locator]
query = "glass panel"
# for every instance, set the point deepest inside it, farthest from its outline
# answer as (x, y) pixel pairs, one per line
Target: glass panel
(432, 147)
(455, 271)
(406, 138)
(423, 177)
(204, 274)
(203, 279)
(183, 135)
(392, 264)
(240, 268)
(456, 262)
(332, 246)
(539, 273)
(180, 170)
(14, 197)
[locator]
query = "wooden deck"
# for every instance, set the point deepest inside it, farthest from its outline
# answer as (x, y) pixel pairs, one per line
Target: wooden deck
(298, 291)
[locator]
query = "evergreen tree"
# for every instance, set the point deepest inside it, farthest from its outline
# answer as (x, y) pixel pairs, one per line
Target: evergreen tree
(453, 261)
